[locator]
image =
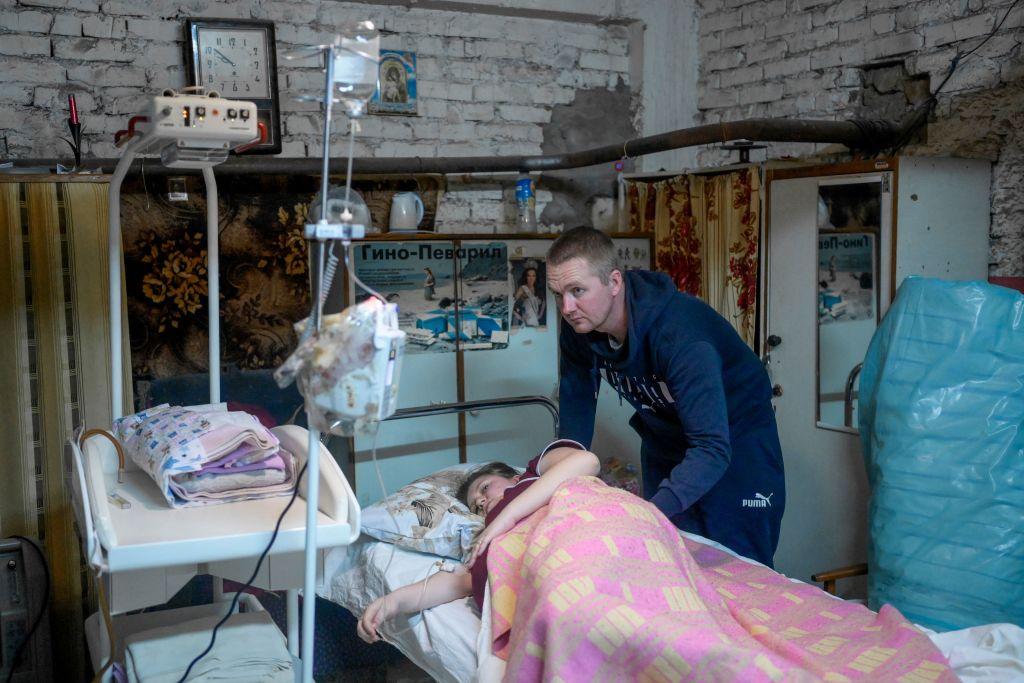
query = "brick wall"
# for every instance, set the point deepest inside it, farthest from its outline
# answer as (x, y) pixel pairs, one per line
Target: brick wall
(869, 58)
(487, 82)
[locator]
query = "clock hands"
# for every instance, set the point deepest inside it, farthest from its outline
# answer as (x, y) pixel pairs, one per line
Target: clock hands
(223, 57)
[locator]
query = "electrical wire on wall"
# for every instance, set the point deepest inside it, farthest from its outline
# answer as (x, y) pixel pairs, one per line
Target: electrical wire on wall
(919, 116)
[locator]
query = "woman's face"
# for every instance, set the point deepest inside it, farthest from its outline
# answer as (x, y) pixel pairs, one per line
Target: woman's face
(487, 491)
(531, 277)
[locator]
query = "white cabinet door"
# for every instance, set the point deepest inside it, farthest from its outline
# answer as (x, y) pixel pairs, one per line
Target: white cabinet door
(825, 524)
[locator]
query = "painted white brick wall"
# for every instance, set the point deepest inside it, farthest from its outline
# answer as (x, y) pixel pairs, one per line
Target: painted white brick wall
(487, 83)
(803, 58)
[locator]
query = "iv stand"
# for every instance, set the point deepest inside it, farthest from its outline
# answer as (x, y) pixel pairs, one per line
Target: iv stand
(313, 463)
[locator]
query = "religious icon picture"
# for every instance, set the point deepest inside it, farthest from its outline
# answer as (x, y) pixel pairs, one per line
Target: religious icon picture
(396, 84)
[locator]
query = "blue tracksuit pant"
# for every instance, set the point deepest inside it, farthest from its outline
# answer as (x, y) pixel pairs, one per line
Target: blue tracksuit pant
(743, 510)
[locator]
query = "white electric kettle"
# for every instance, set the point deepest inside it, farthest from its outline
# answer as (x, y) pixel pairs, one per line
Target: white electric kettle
(406, 211)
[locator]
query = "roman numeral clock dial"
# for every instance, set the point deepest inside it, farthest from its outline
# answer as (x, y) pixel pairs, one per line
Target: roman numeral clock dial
(237, 58)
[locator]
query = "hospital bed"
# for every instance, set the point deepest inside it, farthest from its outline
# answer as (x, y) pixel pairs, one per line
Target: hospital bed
(451, 642)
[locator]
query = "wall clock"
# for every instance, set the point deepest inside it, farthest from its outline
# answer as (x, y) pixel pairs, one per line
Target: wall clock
(238, 59)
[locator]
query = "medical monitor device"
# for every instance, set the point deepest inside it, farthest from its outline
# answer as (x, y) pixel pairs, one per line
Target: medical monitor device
(193, 130)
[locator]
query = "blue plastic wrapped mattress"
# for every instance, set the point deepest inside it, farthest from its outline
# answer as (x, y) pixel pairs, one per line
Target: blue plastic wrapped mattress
(942, 426)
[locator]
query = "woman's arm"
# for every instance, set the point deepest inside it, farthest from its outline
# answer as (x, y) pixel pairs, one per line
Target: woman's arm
(557, 465)
(434, 590)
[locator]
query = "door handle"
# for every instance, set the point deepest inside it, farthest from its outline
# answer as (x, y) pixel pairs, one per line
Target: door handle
(851, 379)
(770, 343)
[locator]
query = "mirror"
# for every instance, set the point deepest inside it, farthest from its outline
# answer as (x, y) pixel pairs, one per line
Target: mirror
(850, 221)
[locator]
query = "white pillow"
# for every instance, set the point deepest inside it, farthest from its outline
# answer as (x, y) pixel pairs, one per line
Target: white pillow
(430, 519)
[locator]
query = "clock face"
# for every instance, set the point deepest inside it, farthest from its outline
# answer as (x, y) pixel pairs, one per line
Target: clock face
(234, 61)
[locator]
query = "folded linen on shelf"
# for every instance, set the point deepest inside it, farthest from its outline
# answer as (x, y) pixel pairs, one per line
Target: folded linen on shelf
(249, 648)
(206, 454)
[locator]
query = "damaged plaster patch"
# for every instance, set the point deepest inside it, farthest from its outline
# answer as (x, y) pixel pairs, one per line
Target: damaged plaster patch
(889, 92)
(1008, 208)
(595, 117)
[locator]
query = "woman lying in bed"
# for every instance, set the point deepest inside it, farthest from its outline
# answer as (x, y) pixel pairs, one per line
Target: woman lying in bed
(590, 582)
(503, 497)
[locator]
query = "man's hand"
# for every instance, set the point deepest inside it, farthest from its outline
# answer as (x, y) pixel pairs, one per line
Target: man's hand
(500, 525)
(379, 611)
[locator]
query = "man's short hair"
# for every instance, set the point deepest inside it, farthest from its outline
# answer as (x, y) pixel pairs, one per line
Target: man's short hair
(499, 468)
(593, 246)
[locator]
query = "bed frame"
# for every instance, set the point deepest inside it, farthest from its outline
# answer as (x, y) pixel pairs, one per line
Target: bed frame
(473, 406)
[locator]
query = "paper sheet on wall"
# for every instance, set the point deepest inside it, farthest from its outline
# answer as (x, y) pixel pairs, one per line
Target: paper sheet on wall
(446, 295)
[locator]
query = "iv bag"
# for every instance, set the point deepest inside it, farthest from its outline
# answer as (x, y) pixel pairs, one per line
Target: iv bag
(348, 370)
(356, 54)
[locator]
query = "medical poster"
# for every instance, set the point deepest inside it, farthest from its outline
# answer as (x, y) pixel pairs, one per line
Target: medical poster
(483, 316)
(846, 277)
(447, 296)
(529, 293)
(417, 276)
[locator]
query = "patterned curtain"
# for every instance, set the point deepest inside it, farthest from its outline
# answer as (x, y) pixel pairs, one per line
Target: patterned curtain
(55, 323)
(706, 230)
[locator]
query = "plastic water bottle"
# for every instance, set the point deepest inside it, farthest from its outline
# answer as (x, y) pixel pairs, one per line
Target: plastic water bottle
(526, 203)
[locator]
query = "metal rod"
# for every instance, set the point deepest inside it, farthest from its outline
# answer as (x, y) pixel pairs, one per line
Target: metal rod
(313, 451)
(114, 275)
(859, 134)
(486, 404)
(213, 282)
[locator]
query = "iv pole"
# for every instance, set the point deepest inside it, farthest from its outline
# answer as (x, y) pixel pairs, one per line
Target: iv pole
(319, 233)
(313, 463)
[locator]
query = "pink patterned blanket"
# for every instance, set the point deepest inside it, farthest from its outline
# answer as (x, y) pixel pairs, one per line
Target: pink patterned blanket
(599, 586)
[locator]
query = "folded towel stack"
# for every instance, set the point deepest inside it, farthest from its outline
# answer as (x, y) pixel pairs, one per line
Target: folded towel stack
(249, 649)
(206, 454)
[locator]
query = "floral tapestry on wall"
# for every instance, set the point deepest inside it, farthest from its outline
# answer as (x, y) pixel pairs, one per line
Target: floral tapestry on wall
(707, 231)
(264, 278)
(264, 281)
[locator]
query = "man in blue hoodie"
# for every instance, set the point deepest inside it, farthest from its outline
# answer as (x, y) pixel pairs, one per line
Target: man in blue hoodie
(710, 448)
